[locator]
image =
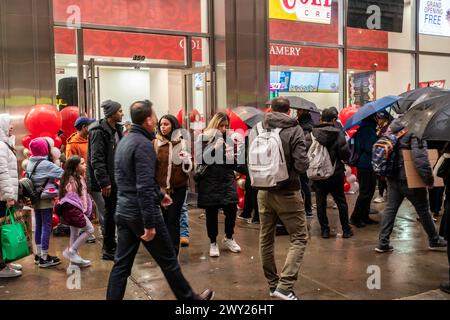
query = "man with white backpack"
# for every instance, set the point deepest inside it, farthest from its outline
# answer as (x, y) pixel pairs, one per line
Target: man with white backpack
(277, 156)
(326, 155)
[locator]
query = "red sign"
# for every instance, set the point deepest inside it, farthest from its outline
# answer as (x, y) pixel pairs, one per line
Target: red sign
(435, 83)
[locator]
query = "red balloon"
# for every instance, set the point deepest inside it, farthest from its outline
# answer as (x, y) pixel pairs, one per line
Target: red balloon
(58, 142)
(69, 115)
(55, 220)
(236, 123)
(43, 118)
(26, 141)
(180, 117)
(347, 187)
(346, 114)
(354, 171)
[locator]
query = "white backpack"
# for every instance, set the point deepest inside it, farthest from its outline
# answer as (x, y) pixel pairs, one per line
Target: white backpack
(266, 161)
(320, 165)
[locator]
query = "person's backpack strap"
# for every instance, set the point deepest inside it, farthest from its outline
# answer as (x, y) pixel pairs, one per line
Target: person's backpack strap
(402, 133)
(34, 168)
(259, 128)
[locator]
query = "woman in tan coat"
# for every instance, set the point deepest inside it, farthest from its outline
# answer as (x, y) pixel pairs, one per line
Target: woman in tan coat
(174, 164)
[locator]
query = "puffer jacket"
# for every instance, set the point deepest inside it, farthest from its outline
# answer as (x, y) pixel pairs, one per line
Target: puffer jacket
(217, 187)
(72, 210)
(334, 140)
(170, 173)
(101, 151)
(419, 152)
(9, 177)
(77, 146)
(294, 147)
(45, 170)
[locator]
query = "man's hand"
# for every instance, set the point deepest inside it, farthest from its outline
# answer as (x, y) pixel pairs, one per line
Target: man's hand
(149, 235)
(10, 203)
(106, 191)
(167, 201)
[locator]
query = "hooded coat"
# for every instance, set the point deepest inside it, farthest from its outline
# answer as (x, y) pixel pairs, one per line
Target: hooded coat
(77, 146)
(294, 147)
(307, 124)
(9, 177)
(334, 140)
(419, 152)
(365, 138)
(101, 151)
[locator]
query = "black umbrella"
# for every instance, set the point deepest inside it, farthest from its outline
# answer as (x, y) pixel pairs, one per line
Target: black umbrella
(410, 97)
(430, 120)
(250, 115)
(300, 103)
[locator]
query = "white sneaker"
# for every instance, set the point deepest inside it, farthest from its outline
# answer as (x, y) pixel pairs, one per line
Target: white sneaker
(231, 245)
(7, 272)
(214, 250)
(73, 257)
(15, 266)
(85, 263)
(379, 200)
(285, 295)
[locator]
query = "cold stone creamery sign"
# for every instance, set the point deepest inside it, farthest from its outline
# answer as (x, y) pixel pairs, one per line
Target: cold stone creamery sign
(315, 11)
(279, 50)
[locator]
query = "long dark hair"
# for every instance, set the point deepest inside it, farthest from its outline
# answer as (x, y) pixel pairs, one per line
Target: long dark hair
(70, 170)
(173, 121)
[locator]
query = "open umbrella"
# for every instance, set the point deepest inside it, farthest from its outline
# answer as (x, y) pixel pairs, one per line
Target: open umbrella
(430, 120)
(250, 115)
(410, 97)
(370, 109)
(300, 103)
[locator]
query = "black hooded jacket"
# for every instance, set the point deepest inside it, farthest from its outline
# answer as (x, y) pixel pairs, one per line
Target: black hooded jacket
(419, 152)
(101, 150)
(334, 140)
(307, 124)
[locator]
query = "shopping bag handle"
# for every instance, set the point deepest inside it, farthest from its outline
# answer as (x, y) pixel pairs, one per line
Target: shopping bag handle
(11, 215)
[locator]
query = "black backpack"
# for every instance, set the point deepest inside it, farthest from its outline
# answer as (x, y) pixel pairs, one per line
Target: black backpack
(27, 190)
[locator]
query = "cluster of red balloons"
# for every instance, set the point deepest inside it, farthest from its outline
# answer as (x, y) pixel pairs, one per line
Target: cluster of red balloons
(46, 121)
(346, 114)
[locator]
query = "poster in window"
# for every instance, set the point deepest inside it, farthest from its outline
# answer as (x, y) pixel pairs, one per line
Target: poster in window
(434, 17)
(362, 88)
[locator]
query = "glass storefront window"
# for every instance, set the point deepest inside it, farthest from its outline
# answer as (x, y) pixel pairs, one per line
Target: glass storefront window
(383, 39)
(434, 71)
(66, 67)
(373, 75)
(312, 74)
(175, 15)
(434, 26)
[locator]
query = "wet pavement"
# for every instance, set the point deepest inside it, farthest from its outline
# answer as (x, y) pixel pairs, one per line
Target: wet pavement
(333, 268)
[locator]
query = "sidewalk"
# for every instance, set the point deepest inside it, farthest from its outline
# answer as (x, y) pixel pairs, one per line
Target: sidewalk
(333, 269)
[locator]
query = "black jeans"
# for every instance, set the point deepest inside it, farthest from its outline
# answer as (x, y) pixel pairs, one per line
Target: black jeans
(212, 221)
(397, 192)
(335, 186)
(109, 225)
(129, 232)
(306, 192)
(172, 216)
(367, 186)
(382, 186)
(251, 201)
(436, 199)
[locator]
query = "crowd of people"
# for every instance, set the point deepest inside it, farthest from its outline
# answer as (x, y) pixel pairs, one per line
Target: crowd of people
(135, 181)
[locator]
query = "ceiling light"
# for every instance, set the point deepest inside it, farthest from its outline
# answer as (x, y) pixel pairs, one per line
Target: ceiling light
(72, 64)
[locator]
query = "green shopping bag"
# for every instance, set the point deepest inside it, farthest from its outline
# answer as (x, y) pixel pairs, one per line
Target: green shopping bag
(13, 239)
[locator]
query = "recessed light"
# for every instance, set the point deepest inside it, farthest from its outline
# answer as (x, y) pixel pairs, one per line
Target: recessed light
(72, 64)
(291, 69)
(352, 72)
(321, 70)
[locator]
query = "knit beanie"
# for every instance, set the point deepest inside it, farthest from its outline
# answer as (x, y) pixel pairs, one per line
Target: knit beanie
(110, 108)
(39, 147)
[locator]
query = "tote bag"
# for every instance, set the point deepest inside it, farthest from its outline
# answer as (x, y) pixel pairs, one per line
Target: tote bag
(13, 239)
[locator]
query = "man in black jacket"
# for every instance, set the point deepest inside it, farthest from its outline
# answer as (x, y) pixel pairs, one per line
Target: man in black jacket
(334, 140)
(398, 190)
(103, 140)
(139, 217)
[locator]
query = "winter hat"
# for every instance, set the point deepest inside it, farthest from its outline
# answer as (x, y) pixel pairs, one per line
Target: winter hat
(39, 147)
(110, 108)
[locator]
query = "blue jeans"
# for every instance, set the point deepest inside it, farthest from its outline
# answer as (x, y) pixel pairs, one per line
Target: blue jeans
(43, 227)
(184, 219)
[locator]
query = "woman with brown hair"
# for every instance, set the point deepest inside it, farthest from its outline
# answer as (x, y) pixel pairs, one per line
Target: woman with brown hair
(216, 181)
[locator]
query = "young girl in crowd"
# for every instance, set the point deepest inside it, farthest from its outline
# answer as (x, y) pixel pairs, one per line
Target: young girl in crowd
(216, 186)
(173, 165)
(43, 174)
(76, 206)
